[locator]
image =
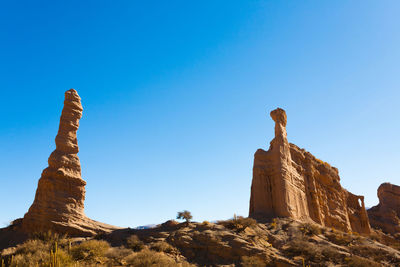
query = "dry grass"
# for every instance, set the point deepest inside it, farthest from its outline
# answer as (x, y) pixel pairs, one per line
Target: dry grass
(307, 250)
(374, 253)
(356, 261)
(252, 261)
(310, 229)
(313, 252)
(133, 242)
(92, 250)
(238, 223)
(37, 253)
(118, 253)
(162, 246)
(146, 258)
(341, 238)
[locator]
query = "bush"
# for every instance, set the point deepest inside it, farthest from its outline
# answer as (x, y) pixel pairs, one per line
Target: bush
(252, 261)
(308, 250)
(41, 258)
(32, 246)
(356, 261)
(238, 223)
(90, 250)
(376, 254)
(150, 258)
(48, 237)
(133, 242)
(310, 229)
(340, 238)
(39, 253)
(313, 252)
(118, 253)
(331, 254)
(162, 246)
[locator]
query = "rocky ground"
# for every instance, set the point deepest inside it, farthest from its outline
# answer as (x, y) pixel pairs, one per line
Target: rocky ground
(236, 242)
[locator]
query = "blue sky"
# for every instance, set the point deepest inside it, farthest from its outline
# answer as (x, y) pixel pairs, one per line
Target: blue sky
(176, 98)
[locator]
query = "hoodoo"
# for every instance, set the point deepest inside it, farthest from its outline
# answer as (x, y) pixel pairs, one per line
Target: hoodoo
(291, 182)
(386, 215)
(60, 195)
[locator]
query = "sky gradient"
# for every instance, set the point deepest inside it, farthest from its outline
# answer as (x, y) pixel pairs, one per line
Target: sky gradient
(177, 95)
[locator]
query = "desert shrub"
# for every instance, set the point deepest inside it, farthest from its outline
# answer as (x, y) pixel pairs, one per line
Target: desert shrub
(162, 246)
(356, 261)
(313, 252)
(308, 250)
(375, 236)
(133, 242)
(238, 223)
(48, 237)
(374, 253)
(252, 261)
(331, 254)
(277, 224)
(90, 250)
(39, 253)
(32, 246)
(31, 254)
(42, 258)
(118, 253)
(340, 238)
(310, 229)
(150, 258)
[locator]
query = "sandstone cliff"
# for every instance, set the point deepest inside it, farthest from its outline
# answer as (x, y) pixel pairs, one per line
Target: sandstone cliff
(291, 182)
(60, 195)
(386, 215)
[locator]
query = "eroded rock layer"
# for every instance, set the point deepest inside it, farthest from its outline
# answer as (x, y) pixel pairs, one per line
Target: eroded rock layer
(60, 195)
(386, 215)
(291, 182)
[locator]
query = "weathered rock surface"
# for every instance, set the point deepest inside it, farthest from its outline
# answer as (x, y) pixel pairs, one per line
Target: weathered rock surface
(209, 244)
(282, 242)
(60, 195)
(386, 215)
(291, 182)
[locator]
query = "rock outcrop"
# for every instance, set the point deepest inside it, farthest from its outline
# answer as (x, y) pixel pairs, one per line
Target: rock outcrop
(60, 195)
(386, 215)
(291, 182)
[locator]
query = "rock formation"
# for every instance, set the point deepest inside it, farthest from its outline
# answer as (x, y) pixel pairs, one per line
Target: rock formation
(291, 182)
(60, 195)
(386, 215)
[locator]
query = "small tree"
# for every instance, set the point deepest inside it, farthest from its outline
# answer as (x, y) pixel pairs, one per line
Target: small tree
(184, 215)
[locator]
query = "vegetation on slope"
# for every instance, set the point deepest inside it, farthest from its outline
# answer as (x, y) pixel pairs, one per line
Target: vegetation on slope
(237, 242)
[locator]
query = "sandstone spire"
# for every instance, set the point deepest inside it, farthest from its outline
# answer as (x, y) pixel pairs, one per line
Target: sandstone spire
(276, 189)
(291, 182)
(60, 195)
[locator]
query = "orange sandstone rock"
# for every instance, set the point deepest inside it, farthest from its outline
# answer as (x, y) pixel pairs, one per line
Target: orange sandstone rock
(60, 195)
(291, 182)
(386, 215)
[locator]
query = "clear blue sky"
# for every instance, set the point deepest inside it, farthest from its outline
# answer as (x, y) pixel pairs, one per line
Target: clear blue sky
(176, 97)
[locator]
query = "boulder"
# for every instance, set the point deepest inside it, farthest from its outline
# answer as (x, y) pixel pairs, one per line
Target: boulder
(386, 215)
